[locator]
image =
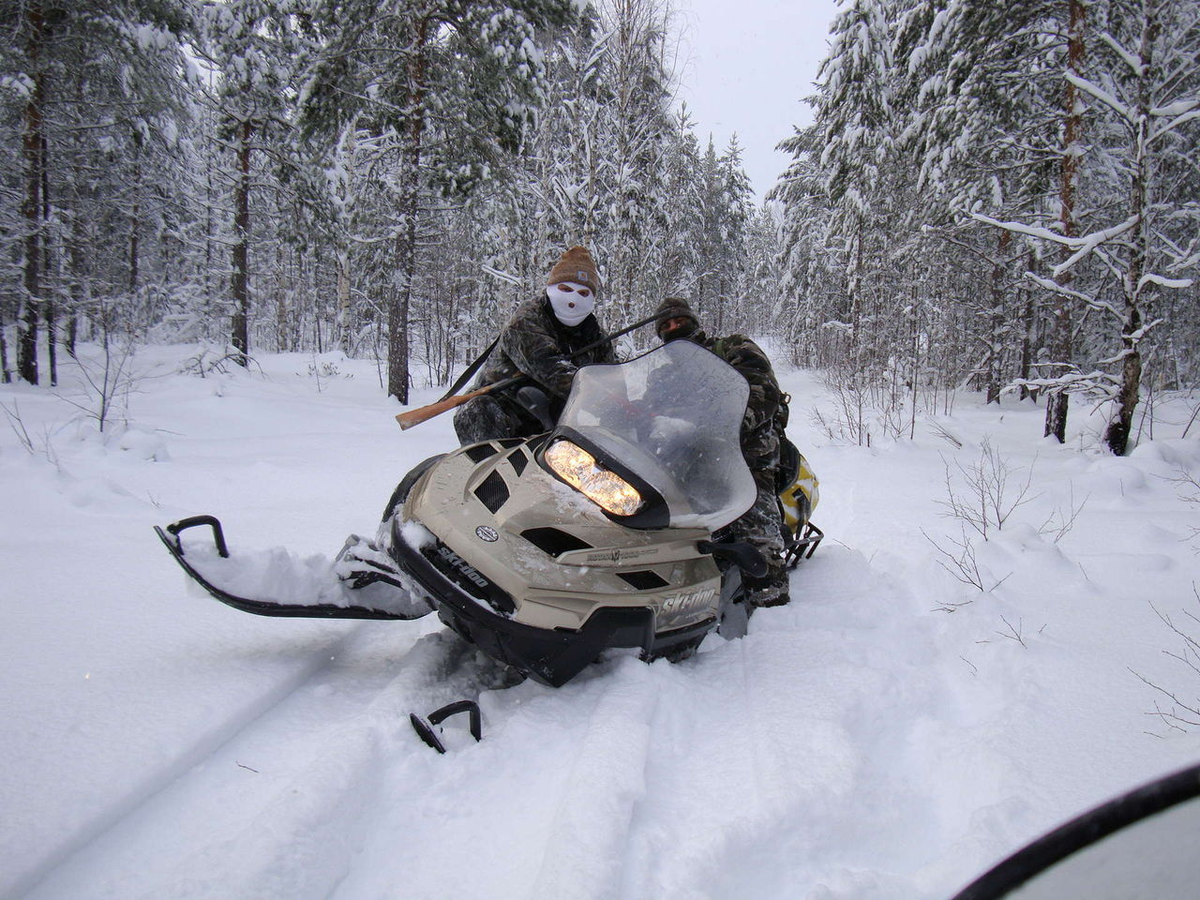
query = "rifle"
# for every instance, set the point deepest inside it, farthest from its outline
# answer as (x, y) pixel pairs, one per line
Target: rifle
(417, 416)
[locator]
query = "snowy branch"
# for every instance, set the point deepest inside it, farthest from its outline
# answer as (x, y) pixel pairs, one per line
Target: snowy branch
(1130, 60)
(1151, 278)
(1081, 245)
(1073, 382)
(1054, 286)
(1103, 96)
(1044, 234)
(503, 276)
(1192, 114)
(1089, 243)
(1178, 108)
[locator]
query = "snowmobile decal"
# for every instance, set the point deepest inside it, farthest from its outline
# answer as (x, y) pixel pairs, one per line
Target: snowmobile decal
(684, 602)
(460, 573)
(462, 566)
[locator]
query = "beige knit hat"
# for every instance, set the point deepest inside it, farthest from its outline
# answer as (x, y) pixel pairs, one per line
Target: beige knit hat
(575, 265)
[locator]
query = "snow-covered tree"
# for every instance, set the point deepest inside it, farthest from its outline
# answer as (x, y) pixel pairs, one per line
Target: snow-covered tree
(449, 85)
(93, 104)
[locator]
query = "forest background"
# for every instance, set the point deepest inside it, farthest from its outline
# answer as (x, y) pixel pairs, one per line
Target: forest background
(1003, 197)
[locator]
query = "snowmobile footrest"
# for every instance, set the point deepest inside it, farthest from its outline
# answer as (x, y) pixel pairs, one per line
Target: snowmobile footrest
(804, 546)
(424, 725)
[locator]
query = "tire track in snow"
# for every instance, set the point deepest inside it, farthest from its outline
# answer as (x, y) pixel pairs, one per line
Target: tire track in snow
(287, 829)
(590, 827)
(767, 745)
(847, 809)
(239, 720)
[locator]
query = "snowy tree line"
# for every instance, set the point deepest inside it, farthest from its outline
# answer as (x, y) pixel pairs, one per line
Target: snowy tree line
(1002, 198)
(387, 177)
(1004, 195)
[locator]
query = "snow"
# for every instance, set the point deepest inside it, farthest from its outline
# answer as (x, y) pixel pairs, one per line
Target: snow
(889, 734)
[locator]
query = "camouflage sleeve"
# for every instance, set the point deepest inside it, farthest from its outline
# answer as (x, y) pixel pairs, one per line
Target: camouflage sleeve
(749, 359)
(537, 353)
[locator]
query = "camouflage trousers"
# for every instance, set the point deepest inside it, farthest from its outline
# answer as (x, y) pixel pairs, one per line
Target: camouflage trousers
(489, 418)
(762, 527)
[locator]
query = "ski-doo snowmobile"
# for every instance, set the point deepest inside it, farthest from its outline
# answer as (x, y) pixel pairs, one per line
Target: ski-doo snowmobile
(604, 532)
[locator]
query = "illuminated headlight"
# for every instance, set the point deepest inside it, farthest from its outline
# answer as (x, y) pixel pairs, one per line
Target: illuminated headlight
(578, 468)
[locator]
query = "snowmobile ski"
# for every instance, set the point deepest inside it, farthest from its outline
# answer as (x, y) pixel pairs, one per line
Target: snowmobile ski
(367, 573)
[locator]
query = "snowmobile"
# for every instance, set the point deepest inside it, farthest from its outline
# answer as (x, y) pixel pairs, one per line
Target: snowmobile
(603, 532)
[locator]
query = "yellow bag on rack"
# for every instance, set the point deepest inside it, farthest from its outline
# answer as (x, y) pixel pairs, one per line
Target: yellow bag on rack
(800, 496)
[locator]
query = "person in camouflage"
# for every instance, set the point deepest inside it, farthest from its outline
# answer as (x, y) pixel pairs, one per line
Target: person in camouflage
(541, 341)
(762, 525)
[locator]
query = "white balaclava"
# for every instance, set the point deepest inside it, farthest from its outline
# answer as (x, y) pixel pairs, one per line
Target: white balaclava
(572, 302)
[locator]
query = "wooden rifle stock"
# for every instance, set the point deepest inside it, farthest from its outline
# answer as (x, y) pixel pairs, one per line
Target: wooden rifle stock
(417, 416)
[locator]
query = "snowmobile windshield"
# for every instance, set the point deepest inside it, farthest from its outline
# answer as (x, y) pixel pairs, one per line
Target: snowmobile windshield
(672, 417)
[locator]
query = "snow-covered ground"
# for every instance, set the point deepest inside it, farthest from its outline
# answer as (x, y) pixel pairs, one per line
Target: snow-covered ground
(889, 734)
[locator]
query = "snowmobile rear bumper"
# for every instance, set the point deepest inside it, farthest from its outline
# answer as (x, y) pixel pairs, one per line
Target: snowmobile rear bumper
(550, 656)
(803, 546)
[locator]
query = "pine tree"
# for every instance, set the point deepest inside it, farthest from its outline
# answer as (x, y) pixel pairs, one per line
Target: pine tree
(250, 45)
(453, 83)
(97, 91)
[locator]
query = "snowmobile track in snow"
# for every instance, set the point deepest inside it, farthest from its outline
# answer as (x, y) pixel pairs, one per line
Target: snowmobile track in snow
(355, 708)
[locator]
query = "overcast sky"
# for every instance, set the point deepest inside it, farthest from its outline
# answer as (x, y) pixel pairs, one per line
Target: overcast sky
(745, 67)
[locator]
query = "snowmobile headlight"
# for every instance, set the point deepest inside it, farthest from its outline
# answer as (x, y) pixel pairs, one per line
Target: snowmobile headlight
(578, 468)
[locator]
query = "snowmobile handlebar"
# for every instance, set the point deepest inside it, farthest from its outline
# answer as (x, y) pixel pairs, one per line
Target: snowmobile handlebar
(424, 413)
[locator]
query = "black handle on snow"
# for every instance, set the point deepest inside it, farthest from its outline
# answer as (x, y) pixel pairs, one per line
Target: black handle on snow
(424, 413)
(192, 522)
(424, 726)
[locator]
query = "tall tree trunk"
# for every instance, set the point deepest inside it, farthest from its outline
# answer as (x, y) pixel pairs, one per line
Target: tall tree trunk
(74, 277)
(208, 248)
(857, 341)
(346, 155)
(996, 325)
(31, 207)
(410, 201)
(135, 225)
(50, 313)
(241, 261)
(1028, 320)
(345, 324)
(283, 328)
(1056, 400)
(1117, 434)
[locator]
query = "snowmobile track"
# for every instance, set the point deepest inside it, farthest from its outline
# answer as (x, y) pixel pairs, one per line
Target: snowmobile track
(359, 709)
(186, 761)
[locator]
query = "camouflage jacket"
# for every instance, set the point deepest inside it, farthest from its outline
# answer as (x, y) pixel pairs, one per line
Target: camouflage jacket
(760, 437)
(536, 344)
